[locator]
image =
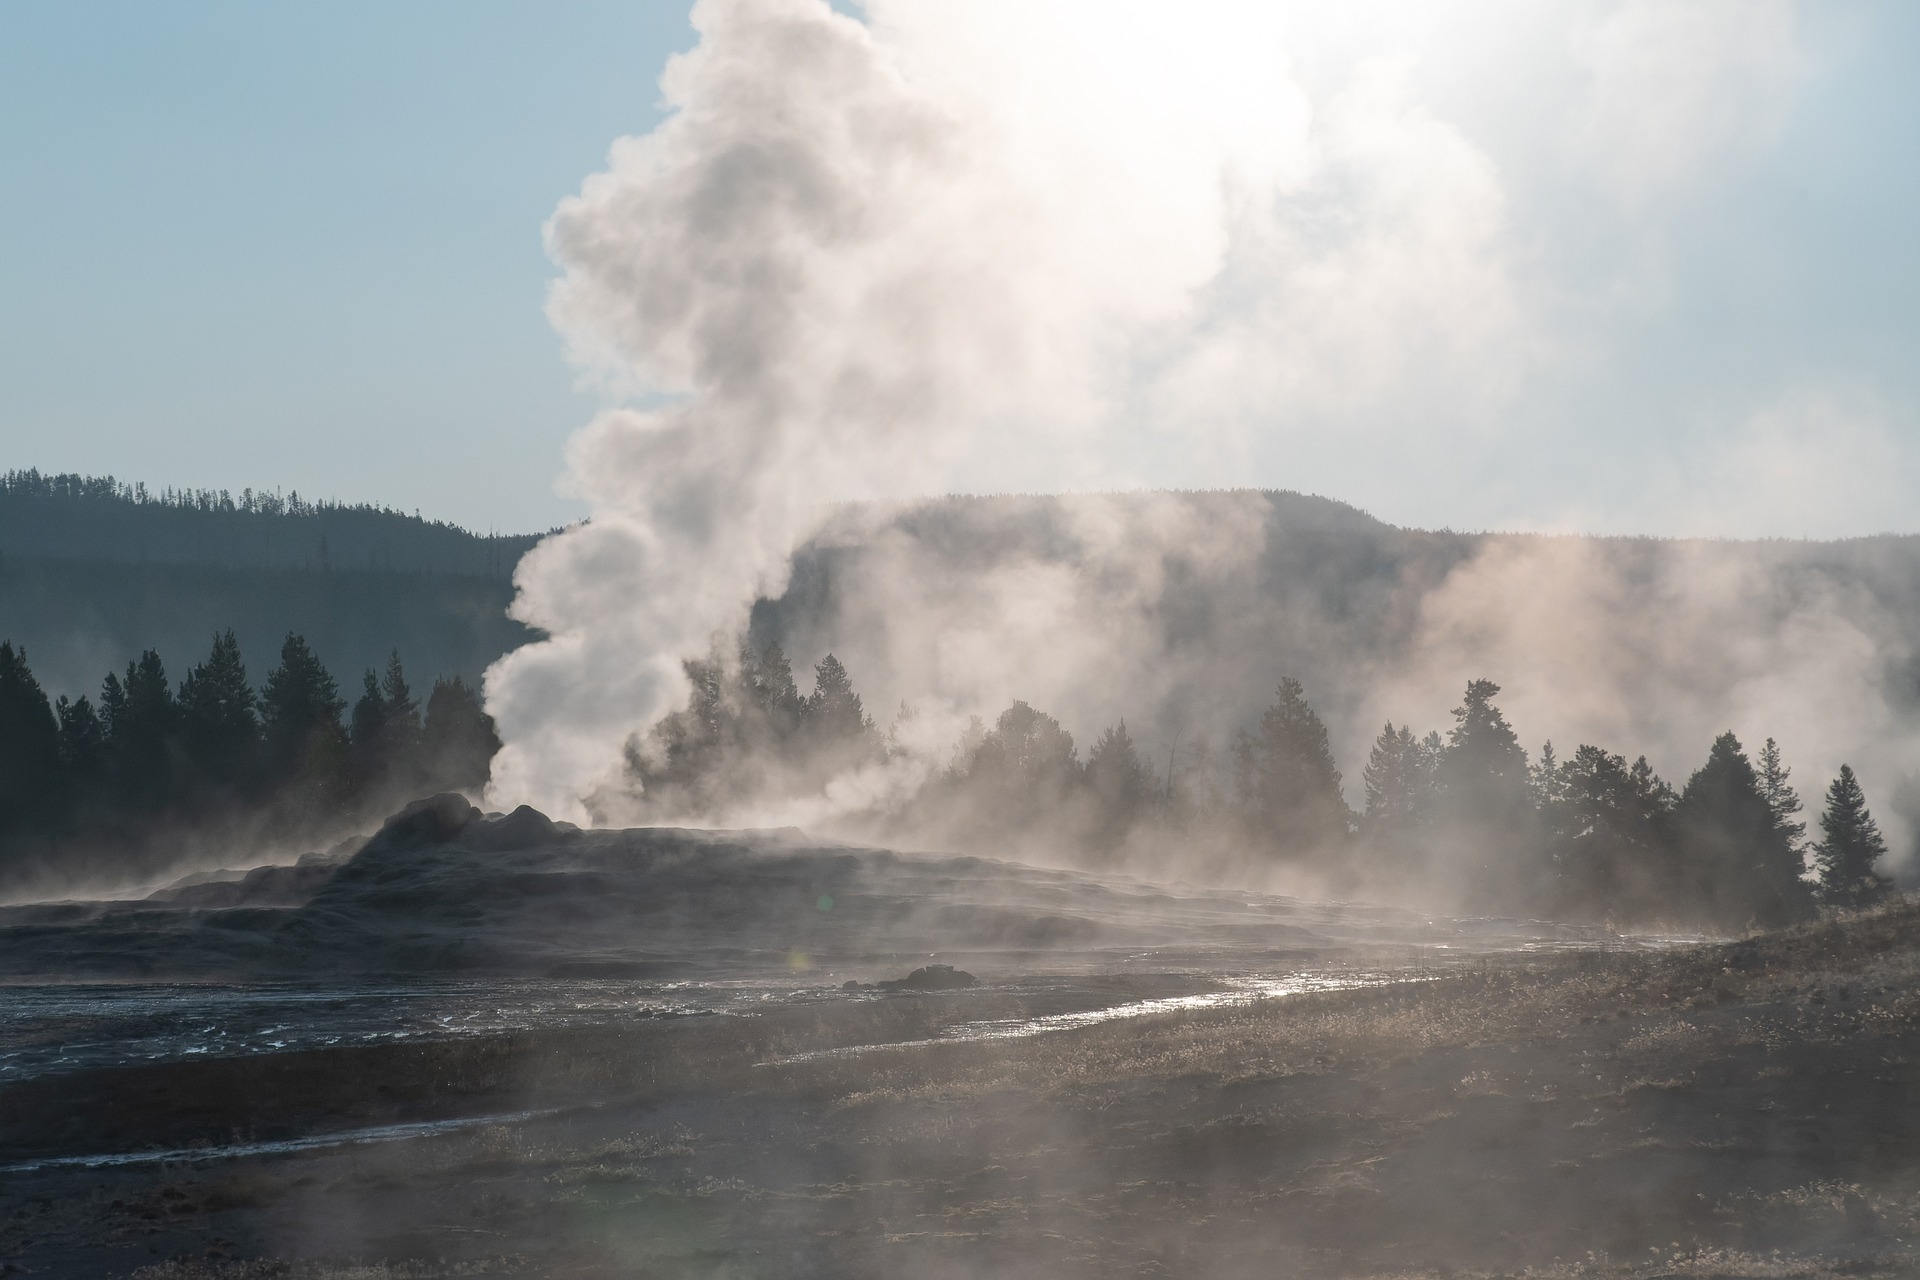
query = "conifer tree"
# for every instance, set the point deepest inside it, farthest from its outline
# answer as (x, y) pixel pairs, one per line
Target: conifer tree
(769, 679)
(83, 756)
(677, 767)
(1610, 840)
(1399, 780)
(402, 712)
(29, 748)
(218, 724)
(833, 711)
(1027, 751)
(1484, 759)
(1285, 779)
(1121, 784)
(1547, 780)
(458, 740)
(1738, 866)
(1781, 797)
(143, 744)
(1853, 844)
(1486, 827)
(367, 732)
(300, 709)
(836, 732)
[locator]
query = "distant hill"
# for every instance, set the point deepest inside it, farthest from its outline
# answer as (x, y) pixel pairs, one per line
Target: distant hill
(72, 517)
(92, 571)
(1181, 612)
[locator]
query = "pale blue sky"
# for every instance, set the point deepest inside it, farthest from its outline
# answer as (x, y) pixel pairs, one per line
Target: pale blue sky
(299, 245)
(259, 244)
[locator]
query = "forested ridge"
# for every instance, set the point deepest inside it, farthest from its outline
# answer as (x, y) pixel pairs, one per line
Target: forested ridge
(94, 571)
(1464, 819)
(69, 516)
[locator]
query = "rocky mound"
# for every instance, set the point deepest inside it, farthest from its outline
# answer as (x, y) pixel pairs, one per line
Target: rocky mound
(445, 888)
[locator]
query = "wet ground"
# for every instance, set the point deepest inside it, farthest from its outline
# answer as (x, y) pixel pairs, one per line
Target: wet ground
(1743, 1110)
(1319, 1091)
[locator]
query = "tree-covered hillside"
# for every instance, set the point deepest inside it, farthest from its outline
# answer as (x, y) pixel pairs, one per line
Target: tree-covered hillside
(73, 517)
(94, 572)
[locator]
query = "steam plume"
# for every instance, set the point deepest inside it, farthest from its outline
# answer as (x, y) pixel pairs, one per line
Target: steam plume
(858, 256)
(1036, 245)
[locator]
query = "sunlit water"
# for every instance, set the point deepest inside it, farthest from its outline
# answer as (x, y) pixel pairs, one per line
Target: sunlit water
(72, 1027)
(69, 1027)
(370, 1135)
(1241, 990)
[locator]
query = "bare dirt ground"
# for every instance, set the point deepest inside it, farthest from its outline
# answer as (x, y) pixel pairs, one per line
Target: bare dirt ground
(1747, 1109)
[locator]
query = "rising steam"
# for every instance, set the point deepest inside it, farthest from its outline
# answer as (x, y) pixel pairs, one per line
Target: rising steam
(1042, 245)
(857, 255)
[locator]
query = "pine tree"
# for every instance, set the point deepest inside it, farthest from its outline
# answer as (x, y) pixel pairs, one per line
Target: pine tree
(29, 749)
(676, 769)
(1484, 757)
(833, 710)
(143, 744)
(305, 746)
(1547, 780)
(1286, 782)
(1549, 787)
(458, 741)
(218, 725)
(837, 733)
(1610, 840)
(1738, 866)
(402, 712)
(1853, 844)
(769, 679)
(367, 733)
(1027, 752)
(83, 756)
(113, 706)
(1121, 784)
(1781, 798)
(1486, 824)
(1398, 781)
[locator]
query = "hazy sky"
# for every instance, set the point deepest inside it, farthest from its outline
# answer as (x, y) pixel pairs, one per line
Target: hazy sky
(1638, 266)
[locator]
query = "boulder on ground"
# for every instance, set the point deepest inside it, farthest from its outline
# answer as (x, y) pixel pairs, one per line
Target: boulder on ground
(933, 977)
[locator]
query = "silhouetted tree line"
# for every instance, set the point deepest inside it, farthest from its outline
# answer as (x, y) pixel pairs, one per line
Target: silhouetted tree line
(102, 781)
(1465, 816)
(748, 731)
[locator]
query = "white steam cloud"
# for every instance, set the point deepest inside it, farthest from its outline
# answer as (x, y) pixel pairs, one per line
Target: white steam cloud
(1042, 244)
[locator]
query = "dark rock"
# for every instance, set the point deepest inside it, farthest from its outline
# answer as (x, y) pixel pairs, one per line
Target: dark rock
(261, 887)
(524, 828)
(435, 820)
(933, 977)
